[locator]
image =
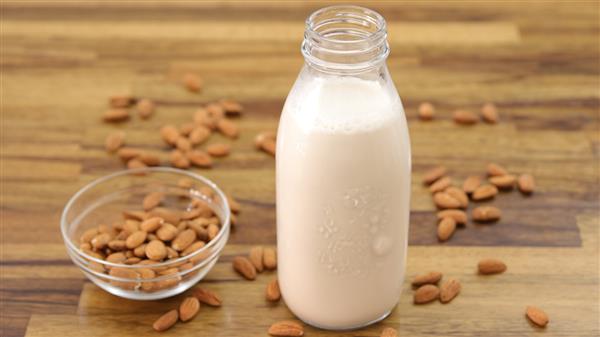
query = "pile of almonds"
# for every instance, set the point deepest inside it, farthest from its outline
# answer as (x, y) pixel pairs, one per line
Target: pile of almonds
(489, 114)
(452, 200)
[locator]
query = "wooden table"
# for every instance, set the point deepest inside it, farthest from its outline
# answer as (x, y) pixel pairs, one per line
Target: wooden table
(538, 62)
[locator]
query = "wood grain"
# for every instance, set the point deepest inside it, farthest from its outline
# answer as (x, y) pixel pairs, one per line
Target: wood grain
(61, 60)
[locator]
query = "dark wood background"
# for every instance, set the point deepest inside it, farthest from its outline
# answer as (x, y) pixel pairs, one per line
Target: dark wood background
(539, 62)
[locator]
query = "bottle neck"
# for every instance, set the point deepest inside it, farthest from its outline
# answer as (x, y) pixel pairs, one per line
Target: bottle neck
(345, 40)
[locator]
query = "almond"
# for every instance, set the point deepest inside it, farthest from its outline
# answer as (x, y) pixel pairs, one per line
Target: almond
(537, 316)
(486, 214)
(389, 332)
(114, 141)
(431, 277)
(131, 226)
(149, 159)
(193, 247)
(213, 231)
(440, 185)
(145, 108)
(166, 232)
(186, 128)
(121, 101)
(208, 297)
(459, 195)
(136, 164)
(156, 250)
(140, 251)
(491, 266)
(273, 294)
(183, 240)
(446, 228)
(269, 258)
(244, 267)
(132, 260)
(100, 241)
(128, 153)
(126, 273)
(152, 200)
(200, 159)
(218, 149)
(269, 146)
(228, 128)
(166, 321)
(168, 215)
(444, 200)
(188, 308)
(169, 134)
(215, 111)
(183, 144)
(494, 169)
(464, 117)
(117, 245)
(115, 115)
(262, 137)
(201, 232)
(203, 118)
(256, 257)
(434, 174)
(192, 82)
(483, 192)
(449, 290)
(426, 294)
(231, 107)
(88, 235)
(135, 239)
(179, 160)
(426, 111)
(199, 135)
(459, 216)
(504, 182)
(286, 329)
(146, 273)
(152, 224)
(471, 183)
(489, 112)
(186, 183)
(526, 183)
(116, 257)
(234, 206)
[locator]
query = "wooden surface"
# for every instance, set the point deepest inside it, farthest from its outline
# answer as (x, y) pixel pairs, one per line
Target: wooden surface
(538, 62)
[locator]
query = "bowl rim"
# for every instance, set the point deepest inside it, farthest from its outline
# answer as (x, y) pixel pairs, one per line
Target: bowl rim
(134, 172)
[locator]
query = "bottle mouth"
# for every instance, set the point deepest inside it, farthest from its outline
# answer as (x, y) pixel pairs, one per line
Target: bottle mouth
(345, 38)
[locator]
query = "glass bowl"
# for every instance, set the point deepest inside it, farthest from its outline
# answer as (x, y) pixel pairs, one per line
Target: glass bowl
(111, 206)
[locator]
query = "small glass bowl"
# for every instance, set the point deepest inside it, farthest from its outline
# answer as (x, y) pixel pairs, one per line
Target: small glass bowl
(103, 202)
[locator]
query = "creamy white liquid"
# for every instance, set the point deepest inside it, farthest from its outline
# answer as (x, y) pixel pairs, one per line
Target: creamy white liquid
(343, 185)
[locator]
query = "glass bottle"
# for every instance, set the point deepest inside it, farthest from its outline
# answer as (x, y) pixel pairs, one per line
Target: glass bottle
(343, 176)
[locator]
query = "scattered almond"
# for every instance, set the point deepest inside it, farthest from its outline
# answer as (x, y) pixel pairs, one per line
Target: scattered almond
(440, 185)
(526, 183)
(286, 329)
(192, 82)
(244, 267)
(432, 277)
(200, 159)
(484, 192)
(121, 101)
(426, 111)
(135, 164)
(465, 117)
(471, 183)
(170, 134)
(128, 153)
(486, 214)
(537, 316)
(389, 332)
(494, 169)
(149, 159)
(218, 149)
(269, 146)
(152, 200)
(234, 206)
(183, 144)
(199, 135)
(491, 266)
(426, 293)
(444, 200)
(489, 112)
(262, 137)
(179, 160)
(228, 128)
(188, 308)
(256, 257)
(449, 290)
(446, 228)
(115, 115)
(208, 297)
(166, 321)
(269, 258)
(459, 195)
(145, 108)
(273, 294)
(114, 141)
(503, 182)
(459, 216)
(231, 107)
(434, 174)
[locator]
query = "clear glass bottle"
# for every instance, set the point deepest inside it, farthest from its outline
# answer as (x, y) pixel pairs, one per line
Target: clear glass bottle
(343, 176)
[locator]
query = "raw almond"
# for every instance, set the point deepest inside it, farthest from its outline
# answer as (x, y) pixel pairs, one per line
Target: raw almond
(179, 160)
(192, 82)
(199, 135)
(269, 146)
(459, 216)
(131, 226)
(126, 273)
(169, 134)
(389, 332)
(431, 277)
(449, 290)
(465, 117)
(121, 101)
(117, 245)
(201, 232)
(193, 247)
(186, 128)
(489, 112)
(156, 250)
(149, 159)
(256, 257)
(273, 293)
(183, 144)
(208, 297)
(459, 195)
(152, 224)
(135, 239)
(262, 137)
(183, 240)
(213, 231)
(234, 206)
(172, 253)
(231, 107)
(166, 321)
(145, 108)
(228, 128)
(115, 115)
(537, 316)
(100, 241)
(114, 141)
(203, 118)
(166, 232)
(486, 214)
(434, 174)
(286, 329)
(218, 149)
(186, 183)
(446, 228)
(269, 258)
(484, 192)
(140, 251)
(444, 200)
(526, 183)
(215, 111)
(440, 185)
(200, 159)
(426, 111)
(136, 164)
(116, 257)
(244, 267)
(152, 200)
(128, 153)
(494, 169)
(503, 182)
(168, 215)
(188, 308)
(491, 266)
(88, 235)
(471, 183)
(426, 293)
